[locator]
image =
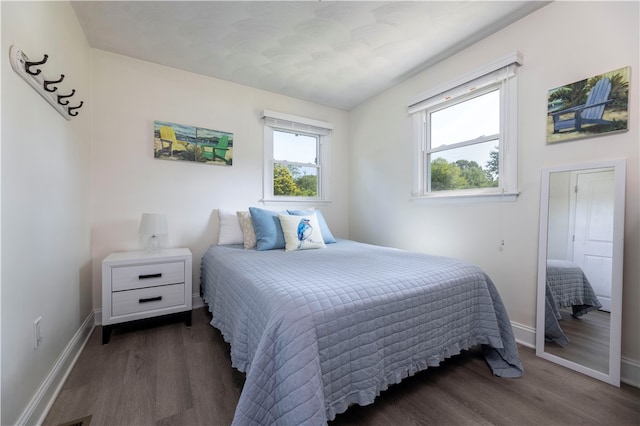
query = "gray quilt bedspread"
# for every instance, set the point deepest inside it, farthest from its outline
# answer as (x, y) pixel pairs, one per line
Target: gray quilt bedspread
(319, 330)
(567, 286)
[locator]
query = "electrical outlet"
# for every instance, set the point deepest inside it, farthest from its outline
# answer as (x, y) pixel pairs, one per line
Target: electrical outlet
(37, 334)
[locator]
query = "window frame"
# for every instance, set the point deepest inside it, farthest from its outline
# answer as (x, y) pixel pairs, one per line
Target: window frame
(275, 121)
(501, 74)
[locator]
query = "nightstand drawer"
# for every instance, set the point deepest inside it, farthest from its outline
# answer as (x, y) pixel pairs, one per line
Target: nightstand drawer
(147, 299)
(146, 275)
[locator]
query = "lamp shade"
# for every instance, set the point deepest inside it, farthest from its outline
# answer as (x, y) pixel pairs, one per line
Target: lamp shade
(153, 224)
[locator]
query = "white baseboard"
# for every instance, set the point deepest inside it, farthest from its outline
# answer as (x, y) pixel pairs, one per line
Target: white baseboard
(524, 334)
(37, 409)
(630, 372)
(629, 368)
(196, 301)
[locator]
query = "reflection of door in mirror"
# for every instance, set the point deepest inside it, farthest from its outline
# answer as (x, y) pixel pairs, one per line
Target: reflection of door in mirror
(580, 242)
(593, 236)
(580, 267)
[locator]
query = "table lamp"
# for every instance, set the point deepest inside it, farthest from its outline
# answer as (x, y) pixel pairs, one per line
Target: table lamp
(153, 224)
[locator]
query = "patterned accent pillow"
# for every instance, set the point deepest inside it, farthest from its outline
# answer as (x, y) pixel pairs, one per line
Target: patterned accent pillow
(301, 232)
(327, 236)
(246, 224)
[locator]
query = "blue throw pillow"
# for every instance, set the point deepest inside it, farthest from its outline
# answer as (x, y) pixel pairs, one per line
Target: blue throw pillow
(266, 223)
(327, 236)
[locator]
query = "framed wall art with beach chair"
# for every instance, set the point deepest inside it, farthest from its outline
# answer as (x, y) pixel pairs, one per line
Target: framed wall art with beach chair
(591, 107)
(177, 142)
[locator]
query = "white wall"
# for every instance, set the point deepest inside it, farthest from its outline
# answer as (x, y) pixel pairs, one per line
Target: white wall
(563, 42)
(45, 200)
(129, 95)
(559, 208)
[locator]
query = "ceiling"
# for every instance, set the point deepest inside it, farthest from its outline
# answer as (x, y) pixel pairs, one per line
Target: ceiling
(334, 53)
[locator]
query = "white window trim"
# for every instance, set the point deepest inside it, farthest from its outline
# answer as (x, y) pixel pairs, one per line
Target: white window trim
(286, 122)
(480, 78)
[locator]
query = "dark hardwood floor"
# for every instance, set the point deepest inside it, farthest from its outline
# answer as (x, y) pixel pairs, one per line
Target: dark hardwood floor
(163, 373)
(588, 339)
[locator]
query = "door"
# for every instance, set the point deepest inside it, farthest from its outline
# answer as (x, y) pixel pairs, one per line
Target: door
(593, 231)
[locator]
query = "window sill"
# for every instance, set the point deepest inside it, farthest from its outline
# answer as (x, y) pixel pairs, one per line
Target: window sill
(465, 198)
(295, 201)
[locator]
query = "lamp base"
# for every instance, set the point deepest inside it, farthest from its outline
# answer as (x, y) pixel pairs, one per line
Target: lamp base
(153, 245)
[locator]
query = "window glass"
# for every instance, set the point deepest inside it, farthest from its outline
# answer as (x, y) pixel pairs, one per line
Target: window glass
(467, 120)
(295, 167)
(295, 181)
(294, 147)
(474, 166)
(459, 155)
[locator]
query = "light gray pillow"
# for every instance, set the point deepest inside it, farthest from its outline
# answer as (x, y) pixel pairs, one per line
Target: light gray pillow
(249, 235)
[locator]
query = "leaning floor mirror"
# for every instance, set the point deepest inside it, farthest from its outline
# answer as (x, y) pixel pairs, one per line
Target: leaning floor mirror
(580, 268)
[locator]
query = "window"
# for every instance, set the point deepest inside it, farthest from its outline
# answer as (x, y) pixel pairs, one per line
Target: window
(465, 136)
(296, 158)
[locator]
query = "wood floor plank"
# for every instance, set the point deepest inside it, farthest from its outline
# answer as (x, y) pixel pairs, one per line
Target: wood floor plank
(187, 417)
(173, 388)
(164, 374)
(137, 392)
(588, 339)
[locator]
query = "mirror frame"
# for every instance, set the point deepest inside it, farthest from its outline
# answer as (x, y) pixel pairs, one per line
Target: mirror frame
(619, 166)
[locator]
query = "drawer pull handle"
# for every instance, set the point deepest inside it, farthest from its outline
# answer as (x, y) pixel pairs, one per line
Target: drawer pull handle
(143, 277)
(150, 299)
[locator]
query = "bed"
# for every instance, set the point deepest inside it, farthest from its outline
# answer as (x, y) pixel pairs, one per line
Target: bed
(316, 331)
(566, 287)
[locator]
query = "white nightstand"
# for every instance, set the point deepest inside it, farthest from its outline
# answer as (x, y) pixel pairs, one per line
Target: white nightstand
(138, 285)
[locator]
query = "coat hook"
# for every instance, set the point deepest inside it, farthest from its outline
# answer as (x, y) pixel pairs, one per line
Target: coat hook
(75, 107)
(60, 97)
(47, 83)
(28, 65)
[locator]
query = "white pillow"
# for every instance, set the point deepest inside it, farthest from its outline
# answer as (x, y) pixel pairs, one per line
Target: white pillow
(301, 232)
(230, 231)
(244, 217)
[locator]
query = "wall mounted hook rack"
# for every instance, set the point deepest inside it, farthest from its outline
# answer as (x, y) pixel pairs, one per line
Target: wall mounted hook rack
(31, 73)
(48, 83)
(62, 98)
(28, 65)
(71, 108)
